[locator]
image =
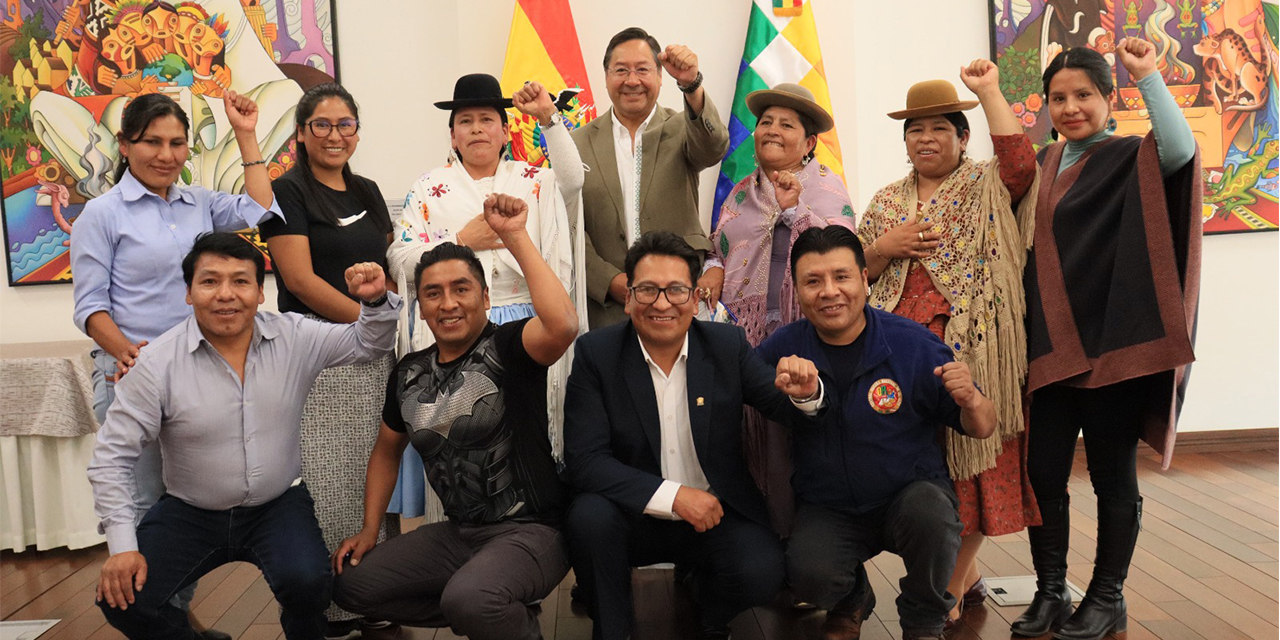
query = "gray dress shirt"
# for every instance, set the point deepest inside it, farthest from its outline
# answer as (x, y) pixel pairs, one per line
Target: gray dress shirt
(225, 444)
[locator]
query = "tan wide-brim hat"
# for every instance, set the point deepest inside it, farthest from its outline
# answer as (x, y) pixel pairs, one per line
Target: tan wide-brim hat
(932, 98)
(791, 96)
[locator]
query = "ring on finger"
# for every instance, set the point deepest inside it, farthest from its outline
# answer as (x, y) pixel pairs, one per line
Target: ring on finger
(921, 234)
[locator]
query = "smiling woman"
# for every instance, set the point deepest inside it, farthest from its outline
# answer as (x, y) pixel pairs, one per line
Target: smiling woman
(333, 219)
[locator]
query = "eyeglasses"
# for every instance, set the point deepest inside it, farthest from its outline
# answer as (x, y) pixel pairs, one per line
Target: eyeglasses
(648, 294)
(346, 127)
(622, 72)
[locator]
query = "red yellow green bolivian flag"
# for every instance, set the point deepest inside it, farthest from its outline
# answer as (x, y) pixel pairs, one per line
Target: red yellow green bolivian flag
(543, 47)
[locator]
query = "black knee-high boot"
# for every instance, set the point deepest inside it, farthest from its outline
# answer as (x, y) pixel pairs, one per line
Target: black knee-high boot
(1052, 603)
(1103, 611)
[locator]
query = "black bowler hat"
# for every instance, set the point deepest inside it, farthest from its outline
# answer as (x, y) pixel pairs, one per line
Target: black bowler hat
(476, 90)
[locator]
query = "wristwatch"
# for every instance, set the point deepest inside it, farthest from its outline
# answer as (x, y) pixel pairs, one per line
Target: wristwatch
(692, 86)
(555, 119)
(376, 303)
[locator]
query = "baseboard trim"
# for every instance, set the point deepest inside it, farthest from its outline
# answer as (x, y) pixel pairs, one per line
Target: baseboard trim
(1220, 441)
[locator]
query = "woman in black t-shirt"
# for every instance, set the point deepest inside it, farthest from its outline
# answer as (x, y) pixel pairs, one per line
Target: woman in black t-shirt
(333, 219)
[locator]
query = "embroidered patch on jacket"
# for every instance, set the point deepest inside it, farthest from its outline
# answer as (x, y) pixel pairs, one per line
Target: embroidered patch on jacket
(885, 396)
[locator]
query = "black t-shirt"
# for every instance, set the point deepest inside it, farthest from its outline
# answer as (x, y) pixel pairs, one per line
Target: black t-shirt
(844, 361)
(480, 425)
(333, 248)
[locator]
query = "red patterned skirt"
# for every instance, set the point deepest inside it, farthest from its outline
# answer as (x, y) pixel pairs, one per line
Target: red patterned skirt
(999, 500)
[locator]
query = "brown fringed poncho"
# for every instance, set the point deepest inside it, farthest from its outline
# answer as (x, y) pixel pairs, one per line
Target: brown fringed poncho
(1113, 282)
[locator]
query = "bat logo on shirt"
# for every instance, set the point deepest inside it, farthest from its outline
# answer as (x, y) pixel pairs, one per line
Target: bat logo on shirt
(475, 397)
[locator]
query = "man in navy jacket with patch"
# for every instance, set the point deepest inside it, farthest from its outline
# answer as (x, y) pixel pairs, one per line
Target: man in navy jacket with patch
(872, 476)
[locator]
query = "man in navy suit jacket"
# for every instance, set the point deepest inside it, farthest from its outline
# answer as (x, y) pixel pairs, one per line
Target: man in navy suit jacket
(653, 443)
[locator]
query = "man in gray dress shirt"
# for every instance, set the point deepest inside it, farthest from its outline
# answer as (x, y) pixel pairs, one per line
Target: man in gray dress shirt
(223, 393)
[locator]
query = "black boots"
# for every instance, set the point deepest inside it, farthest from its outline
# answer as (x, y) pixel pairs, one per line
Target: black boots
(1052, 603)
(1102, 611)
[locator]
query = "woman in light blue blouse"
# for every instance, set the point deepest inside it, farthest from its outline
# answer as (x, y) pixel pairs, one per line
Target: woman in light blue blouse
(127, 247)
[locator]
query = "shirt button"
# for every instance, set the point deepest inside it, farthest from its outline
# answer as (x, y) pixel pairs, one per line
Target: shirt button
(672, 451)
(173, 226)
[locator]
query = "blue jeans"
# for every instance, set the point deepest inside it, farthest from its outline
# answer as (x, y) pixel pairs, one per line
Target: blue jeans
(147, 472)
(181, 543)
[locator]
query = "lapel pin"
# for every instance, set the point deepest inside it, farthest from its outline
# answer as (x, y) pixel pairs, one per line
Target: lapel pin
(701, 401)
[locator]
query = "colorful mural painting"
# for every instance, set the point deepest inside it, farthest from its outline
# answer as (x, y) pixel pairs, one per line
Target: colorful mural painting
(1218, 57)
(69, 67)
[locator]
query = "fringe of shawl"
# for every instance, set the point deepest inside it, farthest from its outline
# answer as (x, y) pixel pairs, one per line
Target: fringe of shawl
(999, 365)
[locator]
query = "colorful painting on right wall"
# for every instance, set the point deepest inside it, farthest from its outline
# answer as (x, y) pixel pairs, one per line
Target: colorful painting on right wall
(1218, 57)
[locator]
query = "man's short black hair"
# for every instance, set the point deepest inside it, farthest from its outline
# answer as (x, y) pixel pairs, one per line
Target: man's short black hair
(663, 243)
(221, 243)
(449, 251)
(627, 35)
(824, 240)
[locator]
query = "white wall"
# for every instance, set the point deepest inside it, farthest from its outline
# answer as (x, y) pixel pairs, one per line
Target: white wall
(872, 52)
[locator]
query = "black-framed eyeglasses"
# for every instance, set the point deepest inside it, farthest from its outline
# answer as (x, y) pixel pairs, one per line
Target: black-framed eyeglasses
(648, 294)
(346, 127)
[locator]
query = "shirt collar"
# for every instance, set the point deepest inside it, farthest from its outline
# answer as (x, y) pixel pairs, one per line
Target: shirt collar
(620, 129)
(264, 328)
(132, 190)
(684, 351)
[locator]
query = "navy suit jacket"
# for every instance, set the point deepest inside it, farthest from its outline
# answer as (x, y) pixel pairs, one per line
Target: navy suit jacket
(612, 433)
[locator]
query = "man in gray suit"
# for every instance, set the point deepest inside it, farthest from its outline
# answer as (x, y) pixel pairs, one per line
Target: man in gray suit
(644, 162)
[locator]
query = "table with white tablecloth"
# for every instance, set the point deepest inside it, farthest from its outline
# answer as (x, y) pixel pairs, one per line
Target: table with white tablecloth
(47, 432)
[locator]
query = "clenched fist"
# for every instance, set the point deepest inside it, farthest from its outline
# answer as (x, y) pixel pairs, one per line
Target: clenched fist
(505, 214)
(981, 75)
(242, 112)
(681, 63)
(786, 188)
(1138, 57)
(959, 383)
(366, 280)
(533, 99)
(797, 377)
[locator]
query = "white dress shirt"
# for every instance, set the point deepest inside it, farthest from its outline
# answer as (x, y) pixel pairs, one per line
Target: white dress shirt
(679, 463)
(629, 158)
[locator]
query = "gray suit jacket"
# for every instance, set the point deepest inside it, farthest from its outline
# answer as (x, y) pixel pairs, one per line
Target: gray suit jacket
(676, 148)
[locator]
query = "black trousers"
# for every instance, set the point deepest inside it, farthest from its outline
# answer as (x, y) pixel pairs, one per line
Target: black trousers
(735, 565)
(1110, 418)
(828, 547)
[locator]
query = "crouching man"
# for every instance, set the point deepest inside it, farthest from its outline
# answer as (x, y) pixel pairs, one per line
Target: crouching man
(223, 393)
(871, 477)
(474, 406)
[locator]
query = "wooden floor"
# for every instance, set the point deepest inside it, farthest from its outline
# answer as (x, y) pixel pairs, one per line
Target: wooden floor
(1205, 567)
